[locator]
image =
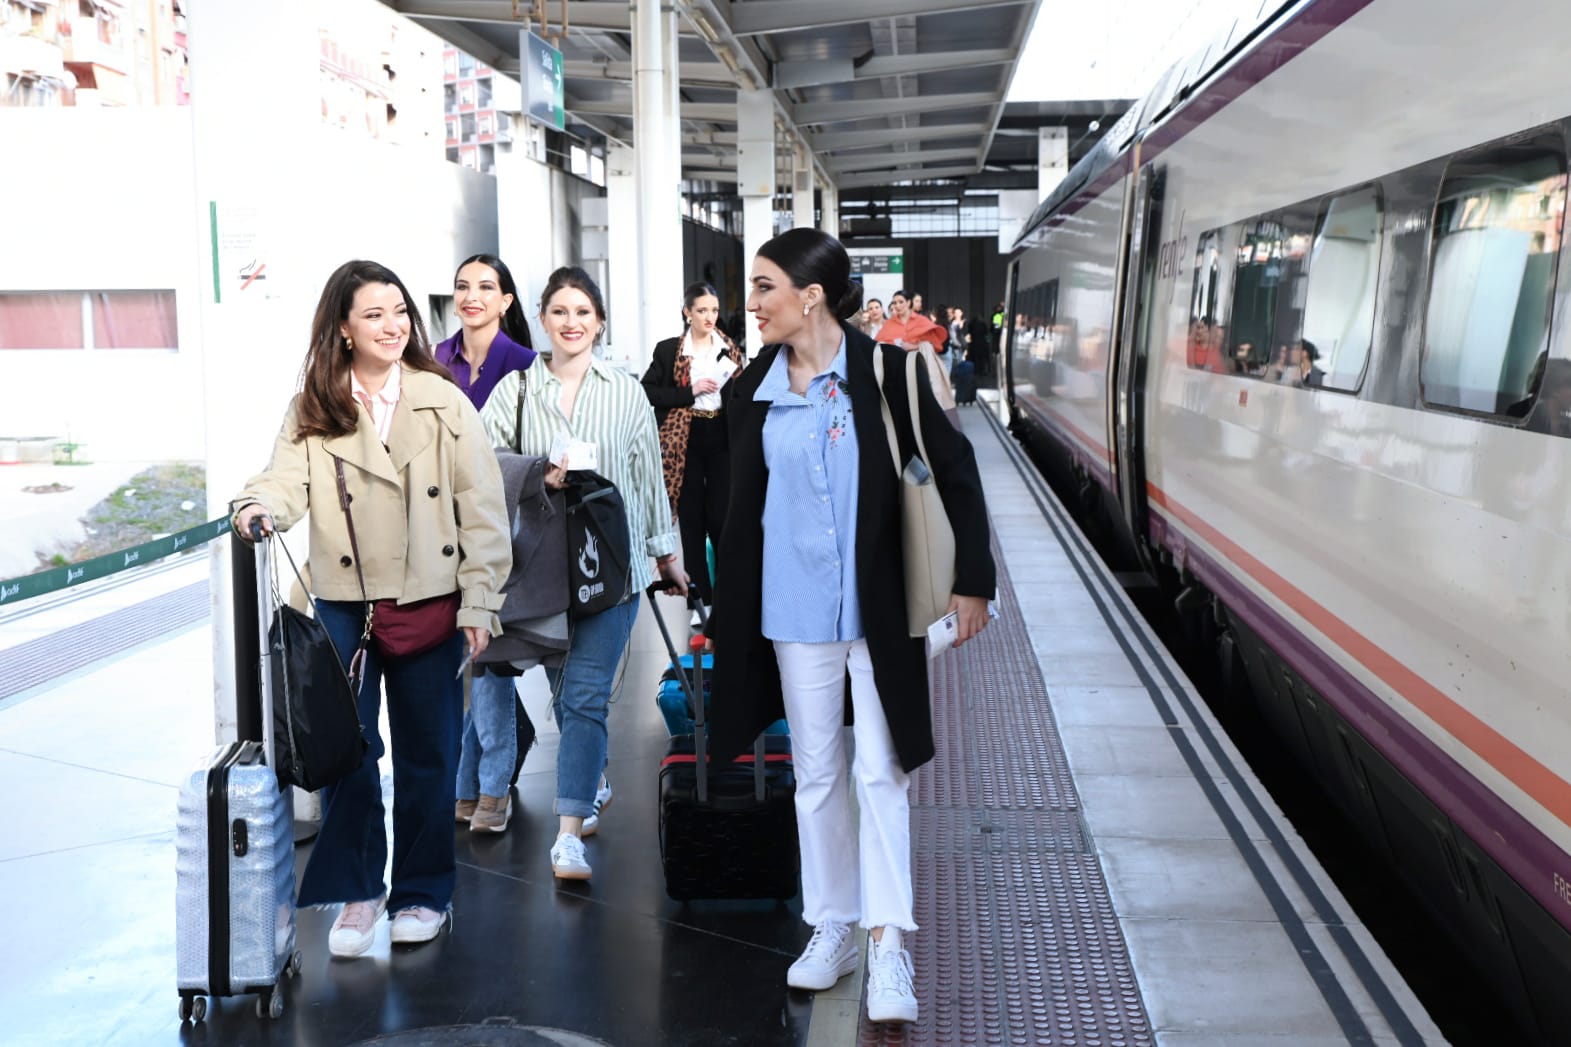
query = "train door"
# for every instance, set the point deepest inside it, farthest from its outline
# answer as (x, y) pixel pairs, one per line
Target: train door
(1003, 360)
(1128, 375)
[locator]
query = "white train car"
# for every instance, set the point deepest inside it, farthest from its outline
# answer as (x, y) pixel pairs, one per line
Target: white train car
(1298, 332)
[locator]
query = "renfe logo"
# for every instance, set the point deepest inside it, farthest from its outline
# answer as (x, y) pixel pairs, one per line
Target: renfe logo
(589, 557)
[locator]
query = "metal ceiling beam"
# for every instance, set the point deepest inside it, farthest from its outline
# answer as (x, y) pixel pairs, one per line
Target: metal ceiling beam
(705, 73)
(784, 16)
(611, 17)
(835, 141)
(726, 138)
(855, 181)
(1009, 76)
(876, 161)
(703, 174)
(714, 112)
(791, 75)
(466, 39)
(872, 108)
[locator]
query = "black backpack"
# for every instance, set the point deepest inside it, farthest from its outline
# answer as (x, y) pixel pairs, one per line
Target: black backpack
(599, 548)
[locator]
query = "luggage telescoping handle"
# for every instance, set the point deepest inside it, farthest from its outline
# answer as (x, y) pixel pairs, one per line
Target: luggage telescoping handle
(261, 544)
(695, 694)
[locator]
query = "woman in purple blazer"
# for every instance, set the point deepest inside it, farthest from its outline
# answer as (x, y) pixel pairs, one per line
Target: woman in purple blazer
(493, 342)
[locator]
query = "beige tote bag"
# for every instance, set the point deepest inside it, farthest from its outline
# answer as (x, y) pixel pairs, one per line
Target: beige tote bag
(927, 539)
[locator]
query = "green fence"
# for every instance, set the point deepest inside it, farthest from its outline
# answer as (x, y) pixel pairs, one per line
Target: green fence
(14, 590)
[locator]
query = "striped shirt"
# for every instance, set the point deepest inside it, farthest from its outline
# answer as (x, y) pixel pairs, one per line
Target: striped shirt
(613, 413)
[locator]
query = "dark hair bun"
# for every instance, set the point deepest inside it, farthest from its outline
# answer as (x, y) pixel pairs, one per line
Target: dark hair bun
(850, 301)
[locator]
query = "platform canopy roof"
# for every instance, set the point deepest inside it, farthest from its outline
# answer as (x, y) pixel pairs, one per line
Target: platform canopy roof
(881, 91)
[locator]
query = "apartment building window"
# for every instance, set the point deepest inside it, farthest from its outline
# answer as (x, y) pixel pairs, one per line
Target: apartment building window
(88, 320)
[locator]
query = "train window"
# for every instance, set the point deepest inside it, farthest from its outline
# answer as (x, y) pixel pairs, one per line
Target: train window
(1497, 234)
(1268, 294)
(1204, 348)
(1339, 304)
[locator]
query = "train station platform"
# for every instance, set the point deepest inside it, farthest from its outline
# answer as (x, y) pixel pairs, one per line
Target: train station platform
(1094, 863)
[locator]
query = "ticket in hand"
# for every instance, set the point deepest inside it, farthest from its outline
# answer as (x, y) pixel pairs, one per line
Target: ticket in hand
(574, 454)
(941, 634)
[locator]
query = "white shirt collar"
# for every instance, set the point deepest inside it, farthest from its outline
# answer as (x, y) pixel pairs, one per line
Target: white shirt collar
(390, 389)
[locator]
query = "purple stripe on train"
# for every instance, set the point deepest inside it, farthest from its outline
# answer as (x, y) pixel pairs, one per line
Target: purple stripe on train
(1521, 849)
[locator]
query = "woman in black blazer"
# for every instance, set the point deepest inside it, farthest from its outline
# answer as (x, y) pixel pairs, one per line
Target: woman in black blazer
(813, 594)
(684, 383)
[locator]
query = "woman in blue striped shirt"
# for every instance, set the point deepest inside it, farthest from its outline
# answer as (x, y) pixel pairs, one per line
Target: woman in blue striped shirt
(812, 591)
(584, 399)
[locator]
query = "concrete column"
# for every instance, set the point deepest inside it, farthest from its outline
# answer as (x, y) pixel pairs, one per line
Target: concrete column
(657, 141)
(625, 293)
(1052, 159)
(755, 175)
(829, 207)
(249, 206)
(803, 212)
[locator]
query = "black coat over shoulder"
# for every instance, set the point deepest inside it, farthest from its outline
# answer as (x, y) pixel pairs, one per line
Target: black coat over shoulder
(746, 676)
(660, 381)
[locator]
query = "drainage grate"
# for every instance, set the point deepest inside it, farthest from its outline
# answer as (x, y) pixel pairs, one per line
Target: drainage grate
(1019, 941)
(35, 662)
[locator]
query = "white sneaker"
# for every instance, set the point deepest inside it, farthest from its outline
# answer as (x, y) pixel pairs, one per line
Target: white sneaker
(890, 995)
(417, 925)
(830, 955)
(568, 861)
(602, 801)
(355, 929)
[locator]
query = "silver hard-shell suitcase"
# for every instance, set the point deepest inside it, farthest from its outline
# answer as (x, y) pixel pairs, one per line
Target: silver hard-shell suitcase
(235, 866)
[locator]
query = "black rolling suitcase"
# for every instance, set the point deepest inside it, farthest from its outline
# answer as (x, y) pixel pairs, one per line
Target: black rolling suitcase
(235, 866)
(725, 831)
(965, 382)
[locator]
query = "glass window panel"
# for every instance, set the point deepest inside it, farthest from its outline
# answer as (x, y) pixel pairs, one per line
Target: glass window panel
(134, 320)
(1496, 243)
(47, 320)
(1339, 308)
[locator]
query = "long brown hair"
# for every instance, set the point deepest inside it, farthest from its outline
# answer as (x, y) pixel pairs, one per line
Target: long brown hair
(326, 406)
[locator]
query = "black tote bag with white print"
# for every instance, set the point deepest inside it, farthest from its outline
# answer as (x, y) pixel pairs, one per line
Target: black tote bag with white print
(599, 548)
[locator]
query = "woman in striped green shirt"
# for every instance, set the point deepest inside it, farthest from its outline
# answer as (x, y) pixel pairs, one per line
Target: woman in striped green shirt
(580, 397)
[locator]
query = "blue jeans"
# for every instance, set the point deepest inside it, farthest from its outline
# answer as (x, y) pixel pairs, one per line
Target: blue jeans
(425, 710)
(485, 766)
(583, 697)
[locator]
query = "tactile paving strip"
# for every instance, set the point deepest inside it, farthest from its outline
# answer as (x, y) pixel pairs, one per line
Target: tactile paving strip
(37, 661)
(1019, 943)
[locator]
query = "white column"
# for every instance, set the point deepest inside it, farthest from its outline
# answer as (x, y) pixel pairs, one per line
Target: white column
(1052, 159)
(802, 179)
(249, 201)
(829, 220)
(755, 176)
(657, 143)
(625, 293)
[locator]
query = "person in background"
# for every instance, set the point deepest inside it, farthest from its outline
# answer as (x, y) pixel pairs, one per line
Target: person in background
(581, 398)
(978, 345)
(812, 561)
(373, 398)
(918, 307)
(915, 333)
(872, 318)
(683, 383)
(493, 340)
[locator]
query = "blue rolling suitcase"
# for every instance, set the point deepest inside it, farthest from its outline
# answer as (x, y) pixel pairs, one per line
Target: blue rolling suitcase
(672, 697)
(726, 831)
(235, 866)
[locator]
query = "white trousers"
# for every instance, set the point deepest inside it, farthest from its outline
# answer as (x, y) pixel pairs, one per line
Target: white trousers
(875, 888)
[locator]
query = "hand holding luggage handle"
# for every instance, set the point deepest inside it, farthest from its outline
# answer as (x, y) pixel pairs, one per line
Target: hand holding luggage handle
(695, 696)
(264, 618)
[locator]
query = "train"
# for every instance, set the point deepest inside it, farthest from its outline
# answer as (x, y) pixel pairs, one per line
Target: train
(1295, 335)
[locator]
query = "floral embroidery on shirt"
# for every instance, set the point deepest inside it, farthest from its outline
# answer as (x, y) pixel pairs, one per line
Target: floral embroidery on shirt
(836, 399)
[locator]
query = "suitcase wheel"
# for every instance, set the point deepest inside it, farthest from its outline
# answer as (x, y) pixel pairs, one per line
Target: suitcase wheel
(193, 1008)
(270, 1004)
(293, 966)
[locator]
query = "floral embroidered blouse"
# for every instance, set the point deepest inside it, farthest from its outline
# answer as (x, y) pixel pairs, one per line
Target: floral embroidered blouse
(810, 449)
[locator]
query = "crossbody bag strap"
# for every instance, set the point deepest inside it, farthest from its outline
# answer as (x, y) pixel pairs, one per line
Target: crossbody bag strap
(518, 414)
(883, 403)
(916, 419)
(354, 545)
